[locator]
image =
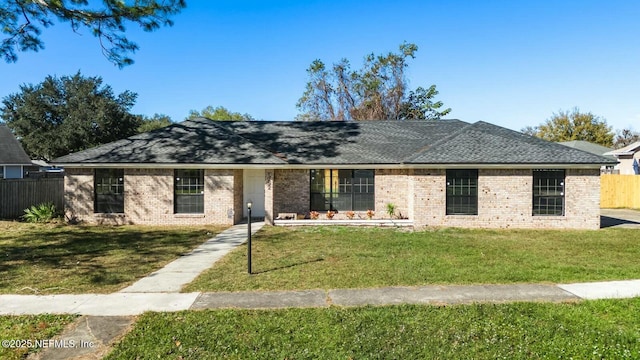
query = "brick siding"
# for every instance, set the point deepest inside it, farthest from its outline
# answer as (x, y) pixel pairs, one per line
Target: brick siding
(392, 187)
(291, 191)
(148, 198)
(504, 198)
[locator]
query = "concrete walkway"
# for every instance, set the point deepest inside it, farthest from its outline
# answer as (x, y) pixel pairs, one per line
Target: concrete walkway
(620, 218)
(185, 269)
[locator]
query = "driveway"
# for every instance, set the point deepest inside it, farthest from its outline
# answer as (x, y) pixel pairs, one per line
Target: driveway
(622, 218)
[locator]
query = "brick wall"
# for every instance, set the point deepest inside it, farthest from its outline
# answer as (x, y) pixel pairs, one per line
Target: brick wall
(238, 196)
(505, 201)
(392, 187)
(148, 198)
(291, 191)
(78, 194)
(504, 198)
(583, 198)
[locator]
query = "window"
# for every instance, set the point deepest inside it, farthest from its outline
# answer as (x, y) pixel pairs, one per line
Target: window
(342, 190)
(189, 191)
(462, 192)
(109, 191)
(548, 192)
(13, 172)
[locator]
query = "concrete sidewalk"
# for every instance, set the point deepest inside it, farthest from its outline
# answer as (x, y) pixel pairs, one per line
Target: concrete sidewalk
(126, 304)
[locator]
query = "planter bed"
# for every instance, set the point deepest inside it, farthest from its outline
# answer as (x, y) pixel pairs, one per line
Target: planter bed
(373, 222)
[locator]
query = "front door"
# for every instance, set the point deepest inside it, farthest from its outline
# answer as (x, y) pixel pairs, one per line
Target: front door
(253, 188)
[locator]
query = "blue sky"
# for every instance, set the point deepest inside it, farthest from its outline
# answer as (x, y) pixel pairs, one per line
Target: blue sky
(511, 63)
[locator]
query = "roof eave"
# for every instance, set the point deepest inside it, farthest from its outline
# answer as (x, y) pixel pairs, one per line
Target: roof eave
(333, 166)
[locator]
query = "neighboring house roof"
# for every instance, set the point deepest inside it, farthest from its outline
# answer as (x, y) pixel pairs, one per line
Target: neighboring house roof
(588, 147)
(627, 150)
(202, 141)
(11, 152)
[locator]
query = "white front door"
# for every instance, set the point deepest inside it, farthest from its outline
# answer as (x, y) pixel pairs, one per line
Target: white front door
(253, 188)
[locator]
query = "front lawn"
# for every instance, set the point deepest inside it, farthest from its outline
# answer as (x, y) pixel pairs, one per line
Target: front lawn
(50, 259)
(28, 328)
(589, 330)
(342, 257)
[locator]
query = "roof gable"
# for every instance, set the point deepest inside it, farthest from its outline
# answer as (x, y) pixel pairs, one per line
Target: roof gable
(627, 150)
(11, 152)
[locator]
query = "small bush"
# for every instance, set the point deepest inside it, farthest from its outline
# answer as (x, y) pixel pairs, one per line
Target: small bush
(42, 213)
(391, 210)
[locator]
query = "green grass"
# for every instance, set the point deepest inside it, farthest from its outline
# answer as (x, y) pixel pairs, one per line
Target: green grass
(57, 258)
(40, 327)
(588, 330)
(340, 257)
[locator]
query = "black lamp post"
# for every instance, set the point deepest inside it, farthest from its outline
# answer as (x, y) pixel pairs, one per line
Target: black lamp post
(249, 204)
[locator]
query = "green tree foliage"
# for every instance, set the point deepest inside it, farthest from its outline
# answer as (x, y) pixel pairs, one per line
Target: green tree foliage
(68, 114)
(22, 22)
(419, 105)
(625, 137)
(573, 125)
(155, 122)
(378, 91)
(219, 113)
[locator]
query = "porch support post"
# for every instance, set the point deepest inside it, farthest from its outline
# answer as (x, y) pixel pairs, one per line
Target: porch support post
(269, 176)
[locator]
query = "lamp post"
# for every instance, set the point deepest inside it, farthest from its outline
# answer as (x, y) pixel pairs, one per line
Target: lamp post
(249, 204)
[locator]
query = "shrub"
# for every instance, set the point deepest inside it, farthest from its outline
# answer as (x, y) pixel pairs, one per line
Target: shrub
(330, 214)
(370, 214)
(314, 215)
(350, 215)
(42, 213)
(391, 210)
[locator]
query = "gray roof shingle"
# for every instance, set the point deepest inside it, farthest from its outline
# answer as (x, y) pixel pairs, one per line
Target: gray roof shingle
(484, 143)
(11, 152)
(202, 141)
(588, 147)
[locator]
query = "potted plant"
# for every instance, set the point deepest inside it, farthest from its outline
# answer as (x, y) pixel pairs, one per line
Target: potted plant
(391, 210)
(370, 214)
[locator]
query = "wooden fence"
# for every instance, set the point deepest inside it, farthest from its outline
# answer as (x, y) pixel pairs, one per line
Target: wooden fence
(620, 191)
(19, 194)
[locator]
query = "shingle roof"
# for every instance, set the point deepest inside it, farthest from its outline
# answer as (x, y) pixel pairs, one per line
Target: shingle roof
(627, 150)
(588, 147)
(202, 141)
(11, 152)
